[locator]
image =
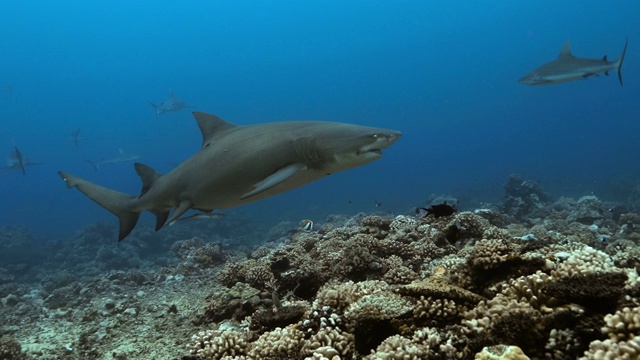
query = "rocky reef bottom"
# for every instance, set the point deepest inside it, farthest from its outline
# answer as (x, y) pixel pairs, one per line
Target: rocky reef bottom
(534, 278)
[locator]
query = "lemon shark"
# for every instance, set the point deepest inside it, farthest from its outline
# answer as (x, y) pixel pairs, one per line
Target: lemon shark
(569, 68)
(237, 165)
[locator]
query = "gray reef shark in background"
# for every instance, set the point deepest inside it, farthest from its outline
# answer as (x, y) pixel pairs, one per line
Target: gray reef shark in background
(569, 68)
(75, 137)
(173, 103)
(237, 165)
(124, 157)
(17, 161)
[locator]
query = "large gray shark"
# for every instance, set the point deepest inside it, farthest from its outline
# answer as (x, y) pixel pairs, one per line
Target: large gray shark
(173, 103)
(569, 68)
(238, 165)
(123, 157)
(17, 161)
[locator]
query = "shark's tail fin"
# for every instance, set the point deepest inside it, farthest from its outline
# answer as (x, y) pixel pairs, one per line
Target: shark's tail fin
(114, 201)
(620, 60)
(156, 107)
(95, 164)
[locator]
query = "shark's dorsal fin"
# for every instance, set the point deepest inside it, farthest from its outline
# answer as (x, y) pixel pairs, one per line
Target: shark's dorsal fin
(148, 176)
(20, 159)
(209, 125)
(566, 50)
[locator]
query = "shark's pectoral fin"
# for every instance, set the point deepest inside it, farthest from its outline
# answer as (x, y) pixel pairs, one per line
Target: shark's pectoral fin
(606, 73)
(275, 179)
(181, 209)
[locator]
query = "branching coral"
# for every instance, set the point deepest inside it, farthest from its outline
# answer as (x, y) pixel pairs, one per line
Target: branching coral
(341, 342)
(623, 341)
(501, 352)
(397, 347)
(277, 344)
(213, 345)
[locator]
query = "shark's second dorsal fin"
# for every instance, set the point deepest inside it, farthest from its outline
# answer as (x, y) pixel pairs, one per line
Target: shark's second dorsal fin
(148, 176)
(566, 50)
(210, 125)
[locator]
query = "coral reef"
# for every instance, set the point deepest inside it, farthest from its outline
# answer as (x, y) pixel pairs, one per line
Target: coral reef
(539, 279)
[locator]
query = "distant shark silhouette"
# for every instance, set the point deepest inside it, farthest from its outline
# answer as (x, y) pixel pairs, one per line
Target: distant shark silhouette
(124, 157)
(75, 136)
(569, 68)
(238, 165)
(172, 104)
(17, 161)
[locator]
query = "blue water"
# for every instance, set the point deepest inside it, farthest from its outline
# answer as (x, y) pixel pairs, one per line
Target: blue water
(444, 73)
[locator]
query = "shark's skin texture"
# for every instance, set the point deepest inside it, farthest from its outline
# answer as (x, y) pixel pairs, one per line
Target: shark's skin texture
(569, 68)
(172, 104)
(238, 165)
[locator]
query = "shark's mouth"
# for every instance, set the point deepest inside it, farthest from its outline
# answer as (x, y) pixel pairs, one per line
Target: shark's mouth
(377, 152)
(369, 153)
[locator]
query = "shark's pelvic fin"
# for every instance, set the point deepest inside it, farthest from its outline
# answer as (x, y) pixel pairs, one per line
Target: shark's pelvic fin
(181, 209)
(210, 125)
(148, 176)
(114, 201)
(275, 179)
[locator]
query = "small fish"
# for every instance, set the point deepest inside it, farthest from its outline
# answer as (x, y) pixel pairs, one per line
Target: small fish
(200, 216)
(440, 210)
(203, 216)
(306, 225)
(377, 203)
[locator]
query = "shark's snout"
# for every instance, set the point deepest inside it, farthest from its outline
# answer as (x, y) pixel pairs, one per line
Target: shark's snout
(389, 138)
(382, 141)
